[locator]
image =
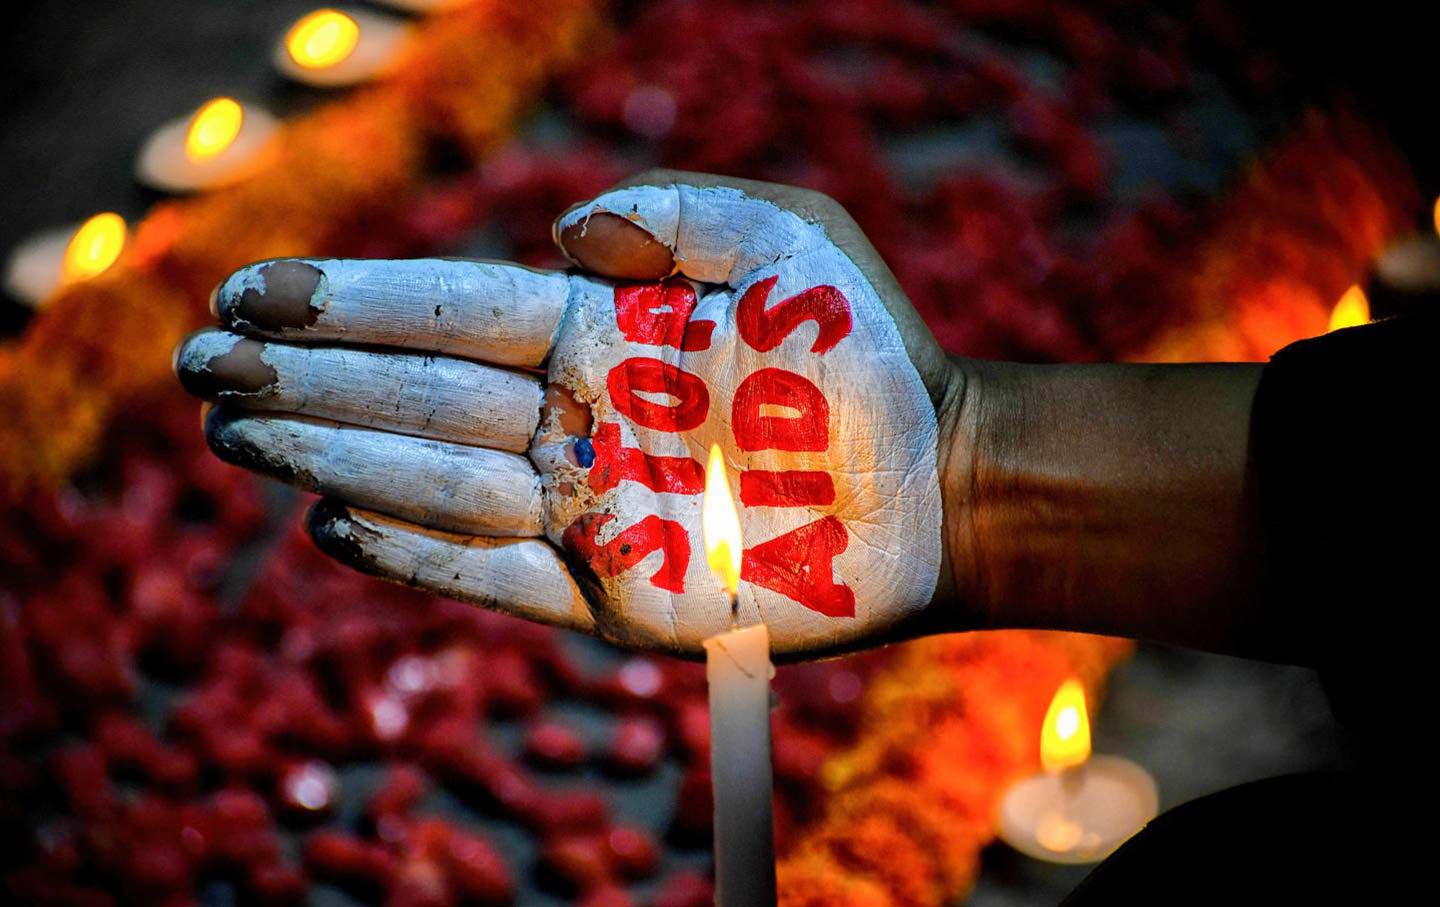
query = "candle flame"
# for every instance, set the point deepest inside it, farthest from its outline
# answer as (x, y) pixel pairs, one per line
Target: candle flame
(1437, 215)
(93, 248)
(1352, 310)
(322, 39)
(720, 523)
(1065, 736)
(213, 128)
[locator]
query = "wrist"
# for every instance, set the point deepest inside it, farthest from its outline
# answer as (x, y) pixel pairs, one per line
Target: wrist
(960, 415)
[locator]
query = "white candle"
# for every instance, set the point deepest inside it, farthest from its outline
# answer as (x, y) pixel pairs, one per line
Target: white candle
(738, 668)
(43, 263)
(220, 143)
(332, 48)
(737, 665)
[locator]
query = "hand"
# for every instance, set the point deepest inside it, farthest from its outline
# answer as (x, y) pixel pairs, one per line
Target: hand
(711, 311)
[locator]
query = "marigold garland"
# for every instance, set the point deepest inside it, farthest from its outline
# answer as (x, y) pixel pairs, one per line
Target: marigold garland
(945, 728)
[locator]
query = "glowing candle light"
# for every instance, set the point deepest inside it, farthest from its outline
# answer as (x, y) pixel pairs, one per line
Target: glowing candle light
(221, 142)
(322, 39)
(738, 668)
(1065, 735)
(1352, 310)
(1080, 808)
(213, 128)
(334, 47)
(41, 265)
(93, 248)
(720, 524)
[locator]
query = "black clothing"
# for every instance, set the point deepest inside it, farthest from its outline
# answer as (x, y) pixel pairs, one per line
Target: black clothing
(1344, 464)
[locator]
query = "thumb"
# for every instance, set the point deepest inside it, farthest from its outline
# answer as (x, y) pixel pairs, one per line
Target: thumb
(613, 246)
(714, 229)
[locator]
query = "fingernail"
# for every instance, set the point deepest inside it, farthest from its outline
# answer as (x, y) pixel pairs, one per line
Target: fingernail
(274, 296)
(612, 246)
(240, 370)
(333, 529)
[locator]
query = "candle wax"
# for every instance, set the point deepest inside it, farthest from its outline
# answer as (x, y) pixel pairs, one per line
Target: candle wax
(737, 665)
(33, 270)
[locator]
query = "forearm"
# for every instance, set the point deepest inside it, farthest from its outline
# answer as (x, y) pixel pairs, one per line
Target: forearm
(1110, 499)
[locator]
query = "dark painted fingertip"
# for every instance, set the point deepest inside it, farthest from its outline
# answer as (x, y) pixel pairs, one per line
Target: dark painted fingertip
(239, 371)
(230, 439)
(225, 438)
(584, 453)
(271, 296)
(335, 532)
(612, 246)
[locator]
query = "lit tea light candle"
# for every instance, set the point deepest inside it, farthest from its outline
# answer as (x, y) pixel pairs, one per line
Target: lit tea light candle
(738, 668)
(222, 142)
(1352, 310)
(1080, 808)
(331, 48)
(53, 259)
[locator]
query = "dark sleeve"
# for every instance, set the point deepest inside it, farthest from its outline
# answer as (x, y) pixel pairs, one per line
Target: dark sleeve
(1345, 458)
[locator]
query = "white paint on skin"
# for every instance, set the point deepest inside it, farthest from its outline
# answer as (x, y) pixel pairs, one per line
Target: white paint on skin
(448, 486)
(882, 452)
(436, 397)
(520, 577)
(502, 314)
(883, 434)
(718, 234)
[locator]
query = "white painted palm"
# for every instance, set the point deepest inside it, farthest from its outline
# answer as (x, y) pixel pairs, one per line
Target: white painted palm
(402, 391)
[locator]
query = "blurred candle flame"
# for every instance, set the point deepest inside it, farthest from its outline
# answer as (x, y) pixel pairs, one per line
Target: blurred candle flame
(1437, 215)
(720, 524)
(1065, 736)
(213, 128)
(322, 39)
(94, 247)
(1352, 310)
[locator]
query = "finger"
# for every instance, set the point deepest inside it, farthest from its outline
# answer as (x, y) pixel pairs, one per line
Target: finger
(709, 228)
(523, 577)
(429, 396)
(499, 313)
(447, 486)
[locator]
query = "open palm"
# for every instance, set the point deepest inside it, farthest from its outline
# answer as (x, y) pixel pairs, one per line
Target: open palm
(746, 315)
